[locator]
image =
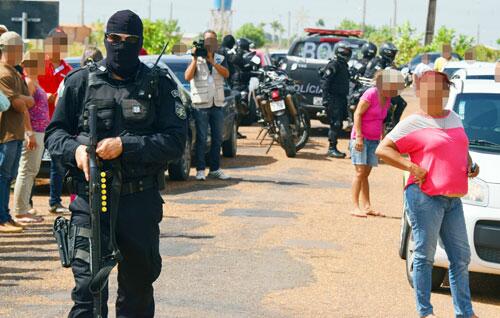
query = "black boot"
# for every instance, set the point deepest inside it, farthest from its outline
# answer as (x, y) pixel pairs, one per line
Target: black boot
(333, 152)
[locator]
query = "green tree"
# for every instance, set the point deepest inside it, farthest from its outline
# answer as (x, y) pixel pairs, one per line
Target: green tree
(498, 41)
(253, 33)
(159, 32)
(443, 35)
(97, 34)
(320, 23)
(408, 43)
(484, 53)
(463, 43)
(352, 25)
(380, 35)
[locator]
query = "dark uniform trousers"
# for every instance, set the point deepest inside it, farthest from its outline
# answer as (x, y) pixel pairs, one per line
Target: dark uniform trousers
(337, 112)
(137, 234)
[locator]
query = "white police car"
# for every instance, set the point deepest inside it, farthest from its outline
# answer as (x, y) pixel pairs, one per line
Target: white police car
(477, 102)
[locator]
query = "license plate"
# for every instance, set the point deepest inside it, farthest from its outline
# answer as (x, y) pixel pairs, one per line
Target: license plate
(318, 101)
(46, 156)
(277, 106)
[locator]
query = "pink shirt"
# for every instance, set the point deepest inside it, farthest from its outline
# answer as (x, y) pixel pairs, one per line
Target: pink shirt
(440, 146)
(373, 119)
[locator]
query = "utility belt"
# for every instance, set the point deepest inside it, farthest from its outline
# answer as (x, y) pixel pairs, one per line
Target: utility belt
(66, 233)
(135, 186)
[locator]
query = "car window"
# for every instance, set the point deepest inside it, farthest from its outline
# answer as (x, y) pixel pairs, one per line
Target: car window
(179, 69)
(481, 77)
(480, 114)
(450, 70)
(299, 48)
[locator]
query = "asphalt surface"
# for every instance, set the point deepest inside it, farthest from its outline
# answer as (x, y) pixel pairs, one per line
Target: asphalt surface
(276, 240)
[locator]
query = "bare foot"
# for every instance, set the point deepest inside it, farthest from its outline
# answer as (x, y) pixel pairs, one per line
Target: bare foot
(358, 213)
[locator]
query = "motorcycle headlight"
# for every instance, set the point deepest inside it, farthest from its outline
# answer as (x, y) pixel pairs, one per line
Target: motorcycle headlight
(478, 193)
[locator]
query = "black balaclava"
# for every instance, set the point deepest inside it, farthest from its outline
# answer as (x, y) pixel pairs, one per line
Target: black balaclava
(123, 58)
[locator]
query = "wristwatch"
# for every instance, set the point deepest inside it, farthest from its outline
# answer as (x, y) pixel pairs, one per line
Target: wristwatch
(28, 133)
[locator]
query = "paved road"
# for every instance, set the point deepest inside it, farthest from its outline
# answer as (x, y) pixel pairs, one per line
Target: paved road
(275, 241)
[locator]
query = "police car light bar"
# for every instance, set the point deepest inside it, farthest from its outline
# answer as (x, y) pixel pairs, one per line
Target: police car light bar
(355, 33)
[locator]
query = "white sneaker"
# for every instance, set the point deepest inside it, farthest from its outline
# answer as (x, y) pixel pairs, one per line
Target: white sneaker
(219, 174)
(200, 175)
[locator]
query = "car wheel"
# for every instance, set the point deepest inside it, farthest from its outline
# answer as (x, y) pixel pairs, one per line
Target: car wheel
(438, 273)
(230, 146)
(179, 170)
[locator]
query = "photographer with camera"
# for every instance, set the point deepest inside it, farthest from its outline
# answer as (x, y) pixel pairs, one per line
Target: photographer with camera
(206, 74)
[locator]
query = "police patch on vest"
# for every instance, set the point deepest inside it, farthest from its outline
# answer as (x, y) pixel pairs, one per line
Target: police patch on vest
(180, 111)
(218, 58)
(175, 93)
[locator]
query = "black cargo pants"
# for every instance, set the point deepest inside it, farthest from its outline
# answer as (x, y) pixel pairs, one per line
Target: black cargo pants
(137, 233)
(337, 113)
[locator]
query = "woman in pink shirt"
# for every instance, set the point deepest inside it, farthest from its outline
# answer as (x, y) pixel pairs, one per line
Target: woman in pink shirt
(439, 164)
(366, 134)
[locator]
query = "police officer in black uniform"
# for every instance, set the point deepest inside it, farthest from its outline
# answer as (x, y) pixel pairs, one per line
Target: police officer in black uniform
(242, 75)
(369, 51)
(387, 54)
(385, 60)
(141, 126)
(226, 49)
(335, 86)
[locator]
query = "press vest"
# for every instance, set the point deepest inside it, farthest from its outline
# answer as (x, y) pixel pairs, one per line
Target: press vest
(207, 89)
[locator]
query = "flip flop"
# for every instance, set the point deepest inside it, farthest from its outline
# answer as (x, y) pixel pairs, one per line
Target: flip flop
(30, 219)
(375, 214)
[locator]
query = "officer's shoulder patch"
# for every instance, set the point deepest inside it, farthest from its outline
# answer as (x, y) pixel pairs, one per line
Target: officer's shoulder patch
(328, 71)
(180, 110)
(175, 93)
(219, 58)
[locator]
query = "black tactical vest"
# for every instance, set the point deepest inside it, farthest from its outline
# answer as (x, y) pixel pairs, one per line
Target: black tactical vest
(338, 82)
(122, 108)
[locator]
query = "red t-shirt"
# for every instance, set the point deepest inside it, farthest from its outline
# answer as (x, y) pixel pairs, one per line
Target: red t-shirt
(52, 78)
(440, 146)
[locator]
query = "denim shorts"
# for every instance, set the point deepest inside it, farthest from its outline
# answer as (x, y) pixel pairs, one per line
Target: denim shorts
(367, 155)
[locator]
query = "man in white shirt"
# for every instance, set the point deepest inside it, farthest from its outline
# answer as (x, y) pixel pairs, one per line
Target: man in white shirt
(206, 74)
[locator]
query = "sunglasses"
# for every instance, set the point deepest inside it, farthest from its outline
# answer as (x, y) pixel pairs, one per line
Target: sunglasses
(114, 38)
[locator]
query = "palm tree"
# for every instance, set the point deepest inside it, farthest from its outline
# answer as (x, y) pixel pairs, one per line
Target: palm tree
(276, 26)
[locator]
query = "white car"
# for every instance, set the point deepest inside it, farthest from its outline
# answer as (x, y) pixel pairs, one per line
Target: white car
(470, 70)
(477, 102)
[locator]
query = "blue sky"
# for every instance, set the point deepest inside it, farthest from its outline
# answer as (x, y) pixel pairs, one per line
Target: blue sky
(194, 15)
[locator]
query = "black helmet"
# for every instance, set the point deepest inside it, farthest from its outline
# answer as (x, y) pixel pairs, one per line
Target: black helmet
(369, 50)
(388, 51)
(228, 41)
(342, 50)
(243, 44)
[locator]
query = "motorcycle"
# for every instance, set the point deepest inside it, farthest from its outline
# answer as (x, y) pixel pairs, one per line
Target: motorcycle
(281, 115)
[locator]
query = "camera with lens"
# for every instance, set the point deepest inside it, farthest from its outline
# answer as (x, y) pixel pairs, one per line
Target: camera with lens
(201, 50)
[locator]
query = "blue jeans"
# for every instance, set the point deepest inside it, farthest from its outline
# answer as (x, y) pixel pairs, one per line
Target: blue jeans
(365, 157)
(56, 181)
(204, 117)
(10, 153)
(431, 218)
